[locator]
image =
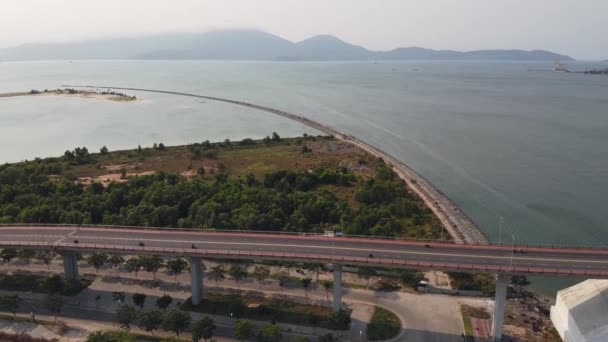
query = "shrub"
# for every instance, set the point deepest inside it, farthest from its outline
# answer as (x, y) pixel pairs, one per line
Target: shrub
(383, 325)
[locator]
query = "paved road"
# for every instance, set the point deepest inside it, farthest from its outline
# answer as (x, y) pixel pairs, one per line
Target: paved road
(521, 260)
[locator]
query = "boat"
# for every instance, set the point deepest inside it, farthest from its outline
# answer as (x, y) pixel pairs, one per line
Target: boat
(559, 67)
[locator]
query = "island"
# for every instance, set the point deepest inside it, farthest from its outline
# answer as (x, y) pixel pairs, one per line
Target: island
(108, 94)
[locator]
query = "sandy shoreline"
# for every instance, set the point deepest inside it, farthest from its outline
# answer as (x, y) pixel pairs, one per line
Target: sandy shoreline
(80, 94)
(458, 224)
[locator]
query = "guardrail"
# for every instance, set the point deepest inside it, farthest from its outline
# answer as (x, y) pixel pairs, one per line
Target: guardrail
(494, 245)
(220, 253)
(435, 243)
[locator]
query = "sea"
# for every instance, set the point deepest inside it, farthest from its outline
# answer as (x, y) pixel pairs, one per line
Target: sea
(521, 149)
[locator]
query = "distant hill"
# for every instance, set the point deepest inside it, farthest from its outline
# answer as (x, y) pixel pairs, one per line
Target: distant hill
(248, 45)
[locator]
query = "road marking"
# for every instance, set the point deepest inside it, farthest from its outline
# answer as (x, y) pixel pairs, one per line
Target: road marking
(450, 255)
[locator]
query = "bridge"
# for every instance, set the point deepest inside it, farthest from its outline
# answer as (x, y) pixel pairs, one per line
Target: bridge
(501, 260)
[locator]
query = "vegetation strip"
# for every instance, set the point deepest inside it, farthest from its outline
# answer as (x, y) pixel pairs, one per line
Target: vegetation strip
(384, 325)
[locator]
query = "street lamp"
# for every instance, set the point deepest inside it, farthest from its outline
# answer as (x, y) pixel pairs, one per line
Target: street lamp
(512, 251)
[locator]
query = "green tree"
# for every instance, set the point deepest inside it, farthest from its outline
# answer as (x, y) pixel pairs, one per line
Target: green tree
(10, 303)
(327, 285)
(46, 257)
(176, 321)
(103, 150)
(7, 255)
(115, 261)
(125, 315)
(133, 265)
(520, 281)
(97, 260)
(270, 333)
(218, 272)
(275, 137)
(366, 273)
(306, 284)
(139, 299)
(111, 336)
(260, 273)
(316, 268)
(237, 273)
(150, 320)
(54, 303)
(203, 328)
(283, 279)
(176, 266)
(164, 302)
(329, 337)
(244, 330)
(151, 263)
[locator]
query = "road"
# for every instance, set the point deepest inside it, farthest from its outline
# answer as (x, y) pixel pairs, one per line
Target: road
(342, 250)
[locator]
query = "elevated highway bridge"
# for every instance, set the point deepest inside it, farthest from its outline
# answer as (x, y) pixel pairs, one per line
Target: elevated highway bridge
(197, 244)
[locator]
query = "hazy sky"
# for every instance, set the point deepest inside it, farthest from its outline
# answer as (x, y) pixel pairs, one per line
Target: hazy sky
(575, 27)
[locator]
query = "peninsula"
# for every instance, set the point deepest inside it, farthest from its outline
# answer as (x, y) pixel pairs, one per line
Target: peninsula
(88, 94)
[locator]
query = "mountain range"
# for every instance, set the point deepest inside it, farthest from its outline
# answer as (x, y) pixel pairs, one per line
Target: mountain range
(248, 45)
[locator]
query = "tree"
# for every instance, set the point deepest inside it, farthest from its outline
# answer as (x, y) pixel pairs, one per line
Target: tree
(275, 137)
(46, 257)
(243, 330)
(150, 320)
(316, 268)
(133, 265)
(139, 299)
(204, 329)
(151, 263)
(270, 333)
(54, 303)
(306, 284)
(283, 280)
(260, 273)
(520, 281)
(218, 272)
(97, 260)
(10, 303)
(237, 273)
(125, 315)
(26, 255)
(164, 302)
(327, 285)
(115, 261)
(7, 255)
(366, 273)
(329, 337)
(176, 321)
(103, 150)
(300, 339)
(176, 266)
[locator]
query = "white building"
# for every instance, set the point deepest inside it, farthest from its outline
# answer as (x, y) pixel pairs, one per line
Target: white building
(580, 313)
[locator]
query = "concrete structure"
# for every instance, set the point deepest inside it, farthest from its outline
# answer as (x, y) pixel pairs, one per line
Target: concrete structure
(196, 280)
(337, 304)
(70, 265)
(356, 251)
(580, 313)
(502, 282)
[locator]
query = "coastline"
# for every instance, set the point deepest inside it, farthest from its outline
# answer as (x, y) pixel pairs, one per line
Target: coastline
(462, 229)
(80, 94)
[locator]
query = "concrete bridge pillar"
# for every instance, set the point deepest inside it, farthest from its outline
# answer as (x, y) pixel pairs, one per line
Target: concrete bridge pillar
(70, 265)
(196, 279)
(337, 288)
(502, 282)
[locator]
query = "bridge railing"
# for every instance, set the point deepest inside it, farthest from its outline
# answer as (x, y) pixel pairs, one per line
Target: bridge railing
(505, 246)
(232, 254)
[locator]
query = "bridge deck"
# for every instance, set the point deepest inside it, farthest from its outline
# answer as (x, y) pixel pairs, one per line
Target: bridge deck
(520, 260)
